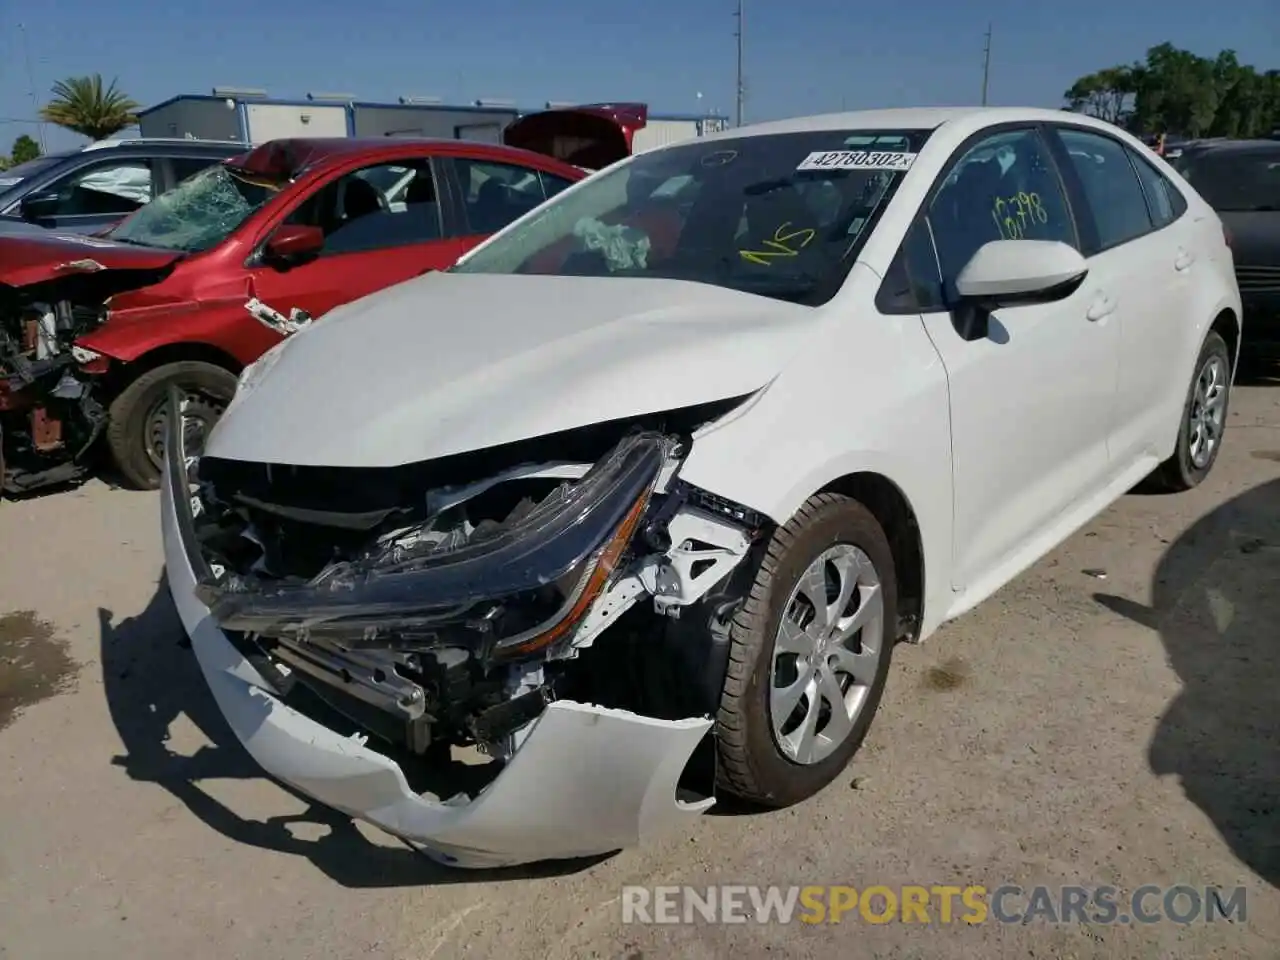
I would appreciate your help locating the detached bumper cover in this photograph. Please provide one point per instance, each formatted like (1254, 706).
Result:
(587, 780)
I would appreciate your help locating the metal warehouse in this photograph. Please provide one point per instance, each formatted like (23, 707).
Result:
(250, 116)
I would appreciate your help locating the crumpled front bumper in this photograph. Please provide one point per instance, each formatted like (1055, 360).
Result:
(587, 780)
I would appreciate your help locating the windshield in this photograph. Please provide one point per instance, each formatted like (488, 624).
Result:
(1238, 181)
(198, 213)
(16, 174)
(780, 215)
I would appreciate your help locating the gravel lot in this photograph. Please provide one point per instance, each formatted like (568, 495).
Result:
(1078, 728)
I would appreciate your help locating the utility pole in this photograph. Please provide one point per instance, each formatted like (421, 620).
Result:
(31, 86)
(986, 65)
(741, 87)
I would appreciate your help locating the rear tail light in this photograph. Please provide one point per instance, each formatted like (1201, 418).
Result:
(1226, 235)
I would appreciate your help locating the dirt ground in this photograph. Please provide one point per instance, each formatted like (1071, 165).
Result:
(1111, 717)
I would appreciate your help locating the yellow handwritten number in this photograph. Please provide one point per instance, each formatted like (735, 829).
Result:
(1037, 208)
(1012, 215)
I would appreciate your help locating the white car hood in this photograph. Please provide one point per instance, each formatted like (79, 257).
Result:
(449, 363)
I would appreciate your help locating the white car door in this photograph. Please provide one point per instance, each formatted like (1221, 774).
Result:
(1031, 400)
(1145, 256)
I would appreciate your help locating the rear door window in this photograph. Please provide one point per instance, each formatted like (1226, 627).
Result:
(1110, 185)
(183, 167)
(494, 194)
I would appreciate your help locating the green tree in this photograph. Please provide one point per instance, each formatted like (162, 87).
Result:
(83, 105)
(1106, 94)
(1177, 91)
(24, 149)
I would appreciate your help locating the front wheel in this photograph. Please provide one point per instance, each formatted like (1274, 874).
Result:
(1203, 421)
(138, 418)
(809, 654)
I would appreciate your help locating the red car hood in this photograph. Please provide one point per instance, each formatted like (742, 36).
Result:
(27, 259)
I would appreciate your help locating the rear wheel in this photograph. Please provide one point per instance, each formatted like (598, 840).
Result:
(1204, 420)
(138, 418)
(809, 655)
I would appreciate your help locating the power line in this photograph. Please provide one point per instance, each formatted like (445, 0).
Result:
(986, 65)
(31, 84)
(741, 87)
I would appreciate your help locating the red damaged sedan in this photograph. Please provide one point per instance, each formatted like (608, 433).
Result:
(201, 281)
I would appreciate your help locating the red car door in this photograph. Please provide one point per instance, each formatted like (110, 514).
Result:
(382, 224)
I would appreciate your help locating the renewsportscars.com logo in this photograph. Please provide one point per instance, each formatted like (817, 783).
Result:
(935, 904)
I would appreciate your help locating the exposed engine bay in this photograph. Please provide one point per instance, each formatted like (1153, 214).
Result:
(52, 408)
(448, 603)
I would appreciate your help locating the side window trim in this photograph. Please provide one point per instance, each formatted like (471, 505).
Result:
(890, 302)
(455, 219)
(1073, 200)
(1087, 237)
(1177, 203)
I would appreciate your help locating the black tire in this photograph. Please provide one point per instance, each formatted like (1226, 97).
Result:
(1179, 472)
(752, 765)
(131, 416)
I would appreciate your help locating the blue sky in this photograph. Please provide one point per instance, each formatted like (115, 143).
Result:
(806, 56)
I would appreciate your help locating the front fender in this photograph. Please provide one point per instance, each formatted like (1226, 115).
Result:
(810, 429)
(226, 325)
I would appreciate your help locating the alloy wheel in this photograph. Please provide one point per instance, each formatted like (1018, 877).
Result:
(826, 654)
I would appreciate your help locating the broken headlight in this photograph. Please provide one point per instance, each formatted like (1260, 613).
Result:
(512, 591)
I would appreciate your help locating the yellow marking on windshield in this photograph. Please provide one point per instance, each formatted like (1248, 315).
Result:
(781, 245)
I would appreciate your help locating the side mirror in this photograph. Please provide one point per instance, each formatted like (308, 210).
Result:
(294, 242)
(40, 205)
(1008, 273)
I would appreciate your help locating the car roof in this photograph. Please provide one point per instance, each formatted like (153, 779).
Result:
(161, 143)
(307, 153)
(161, 148)
(1217, 147)
(908, 118)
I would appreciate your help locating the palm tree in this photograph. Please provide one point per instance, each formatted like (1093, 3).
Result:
(81, 104)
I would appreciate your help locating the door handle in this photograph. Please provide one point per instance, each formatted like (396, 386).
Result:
(1184, 261)
(1102, 306)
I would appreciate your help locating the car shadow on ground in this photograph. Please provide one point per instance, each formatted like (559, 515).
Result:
(1216, 606)
(151, 679)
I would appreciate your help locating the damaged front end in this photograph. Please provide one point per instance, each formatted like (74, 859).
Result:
(51, 411)
(560, 604)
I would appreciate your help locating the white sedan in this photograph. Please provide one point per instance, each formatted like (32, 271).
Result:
(686, 450)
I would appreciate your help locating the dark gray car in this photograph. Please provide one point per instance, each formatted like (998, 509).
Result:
(1240, 179)
(88, 190)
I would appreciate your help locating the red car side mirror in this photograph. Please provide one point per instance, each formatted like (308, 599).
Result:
(294, 241)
